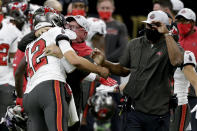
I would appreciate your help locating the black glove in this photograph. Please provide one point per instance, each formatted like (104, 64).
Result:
(173, 102)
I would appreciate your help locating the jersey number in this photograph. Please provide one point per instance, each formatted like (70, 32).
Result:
(37, 59)
(4, 54)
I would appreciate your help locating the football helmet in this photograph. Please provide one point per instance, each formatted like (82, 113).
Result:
(17, 10)
(46, 16)
(15, 119)
(102, 106)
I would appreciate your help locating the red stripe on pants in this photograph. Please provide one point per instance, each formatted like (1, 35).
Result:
(59, 105)
(182, 123)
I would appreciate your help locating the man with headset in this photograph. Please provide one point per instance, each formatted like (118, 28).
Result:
(151, 60)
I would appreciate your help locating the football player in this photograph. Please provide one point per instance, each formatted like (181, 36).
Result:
(9, 36)
(190, 73)
(181, 119)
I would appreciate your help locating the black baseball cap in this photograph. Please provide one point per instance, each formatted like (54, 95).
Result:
(84, 1)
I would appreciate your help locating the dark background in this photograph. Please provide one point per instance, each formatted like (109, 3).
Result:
(125, 9)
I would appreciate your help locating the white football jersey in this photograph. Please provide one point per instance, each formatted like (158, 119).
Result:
(9, 37)
(25, 29)
(41, 67)
(181, 85)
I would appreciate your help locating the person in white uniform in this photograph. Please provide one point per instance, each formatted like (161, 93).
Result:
(9, 35)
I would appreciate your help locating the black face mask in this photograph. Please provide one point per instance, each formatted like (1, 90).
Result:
(152, 35)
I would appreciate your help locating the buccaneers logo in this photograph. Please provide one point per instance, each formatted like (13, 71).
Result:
(183, 11)
(152, 16)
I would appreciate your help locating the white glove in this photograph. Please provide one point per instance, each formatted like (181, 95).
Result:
(194, 110)
(189, 58)
(103, 88)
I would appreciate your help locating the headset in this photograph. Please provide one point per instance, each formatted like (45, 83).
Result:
(102, 106)
(47, 15)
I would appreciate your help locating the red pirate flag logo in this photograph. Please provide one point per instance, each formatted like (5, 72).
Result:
(183, 11)
(78, 16)
(152, 16)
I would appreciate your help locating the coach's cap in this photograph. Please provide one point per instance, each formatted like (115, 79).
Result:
(96, 26)
(81, 20)
(177, 5)
(187, 14)
(157, 16)
(83, 1)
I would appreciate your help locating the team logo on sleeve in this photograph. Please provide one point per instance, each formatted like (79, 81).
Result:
(152, 16)
(183, 11)
(159, 53)
(190, 58)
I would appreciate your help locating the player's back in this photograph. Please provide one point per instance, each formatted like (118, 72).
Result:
(41, 67)
(9, 35)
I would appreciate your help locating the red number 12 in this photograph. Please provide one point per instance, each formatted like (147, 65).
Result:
(37, 60)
